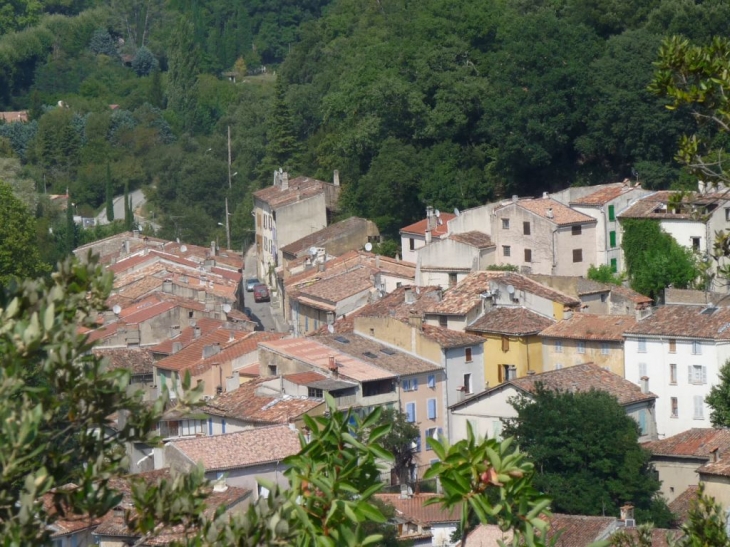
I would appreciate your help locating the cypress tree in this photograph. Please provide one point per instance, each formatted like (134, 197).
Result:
(157, 97)
(183, 73)
(109, 194)
(127, 207)
(282, 146)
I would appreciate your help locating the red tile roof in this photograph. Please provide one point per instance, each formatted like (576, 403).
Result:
(477, 239)
(603, 195)
(448, 338)
(545, 207)
(419, 228)
(187, 335)
(694, 443)
(681, 505)
(655, 206)
(658, 536)
(413, 509)
(138, 361)
(516, 321)
(586, 326)
(685, 322)
(300, 188)
(578, 530)
(243, 449)
(304, 378)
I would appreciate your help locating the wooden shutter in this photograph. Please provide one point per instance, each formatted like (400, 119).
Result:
(500, 373)
(505, 343)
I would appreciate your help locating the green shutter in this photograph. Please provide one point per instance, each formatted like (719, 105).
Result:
(611, 213)
(614, 265)
(612, 238)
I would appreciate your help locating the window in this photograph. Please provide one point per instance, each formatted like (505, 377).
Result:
(417, 442)
(673, 374)
(581, 346)
(727, 214)
(614, 265)
(558, 346)
(505, 343)
(505, 224)
(452, 279)
(695, 243)
(605, 349)
(611, 213)
(642, 345)
(577, 230)
(506, 250)
(273, 371)
(412, 244)
(410, 384)
(508, 372)
(433, 433)
(577, 255)
(528, 255)
(443, 321)
(467, 383)
(526, 228)
(612, 238)
(604, 297)
(675, 407)
(558, 366)
(223, 426)
(314, 393)
(697, 374)
(432, 409)
(432, 381)
(467, 355)
(497, 430)
(411, 412)
(696, 348)
(642, 421)
(190, 314)
(672, 345)
(699, 413)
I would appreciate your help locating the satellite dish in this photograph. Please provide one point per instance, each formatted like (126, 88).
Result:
(456, 211)
(510, 289)
(183, 248)
(368, 246)
(437, 213)
(313, 251)
(227, 308)
(177, 240)
(439, 221)
(116, 309)
(330, 329)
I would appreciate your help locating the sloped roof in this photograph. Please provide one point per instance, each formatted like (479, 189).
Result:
(187, 335)
(137, 360)
(603, 195)
(681, 505)
(578, 530)
(448, 338)
(300, 188)
(586, 326)
(562, 215)
(419, 228)
(507, 320)
(325, 235)
(242, 449)
(655, 206)
(412, 509)
(685, 322)
(694, 443)
(339, 287)
(474, 238)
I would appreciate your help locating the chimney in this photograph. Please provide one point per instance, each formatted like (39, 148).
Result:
(174, 331)
(284, 180)
(212, 248)
(332, 365)
(428, 235)
(416, 320)
(377, 261)
(126, 246)
(336, 178)
(549, 212)
(196, 332)
(405, 492)
(211, 350)
(167, 286)
(545, 195)
(231, 336)
(515, 198)
(321, 266)
(135, 234)
(409, 295)
(713, 454)
(645, 384)
(176, 346)
(567, 314)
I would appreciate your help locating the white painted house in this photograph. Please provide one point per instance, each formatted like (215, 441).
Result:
(678, 351)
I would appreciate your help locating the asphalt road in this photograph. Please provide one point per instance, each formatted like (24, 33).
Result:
(138, 200)
(261, 312)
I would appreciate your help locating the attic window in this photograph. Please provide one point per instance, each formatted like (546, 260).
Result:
(342, 340)
(370, 354)
(387, 351)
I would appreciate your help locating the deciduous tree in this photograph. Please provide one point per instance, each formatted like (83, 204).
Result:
(18, 248)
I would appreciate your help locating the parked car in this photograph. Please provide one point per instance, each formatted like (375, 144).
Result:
(261, 293)
(251, 283)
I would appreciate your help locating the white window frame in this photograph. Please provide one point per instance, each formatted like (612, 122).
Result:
(642, 345)
(605, 348)
(696, 347)
(558, 346)
(697, 375)
(580, 346)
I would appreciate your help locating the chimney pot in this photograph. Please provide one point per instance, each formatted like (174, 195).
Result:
(336, 178)
(549, 212)
(515, 198)
(545, 195)
(284, 180)
(645, 384)
(196, 332)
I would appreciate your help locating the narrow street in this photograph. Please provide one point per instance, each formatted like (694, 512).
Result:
(261, 312)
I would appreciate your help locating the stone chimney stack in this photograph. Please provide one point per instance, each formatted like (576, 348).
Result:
(211, 350)
(212, 248)
(336, 178)
(196, 332)
(284, 180)
(409, 295)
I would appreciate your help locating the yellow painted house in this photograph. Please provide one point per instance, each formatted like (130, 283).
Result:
(512, 347)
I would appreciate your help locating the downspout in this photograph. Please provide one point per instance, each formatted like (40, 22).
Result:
(555, 244)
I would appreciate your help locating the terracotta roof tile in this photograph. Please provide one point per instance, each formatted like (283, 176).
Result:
(696, 443)
(325, 235)
(419, 228)
(338, 287)
(138, 361)
(585, 326)
(187, 335)
(64, 522)
(300, 188)
(578, 530)
(375, 353)
(250, 371)
(242, 449)
(658, 536)
(681, 505)
(655, 206)
(516, 321)
(685, 322)
(244, 404)
(448, 338)
(413, 509)
(477, 239)
(304, 378)
(603, 195)
(561, 214)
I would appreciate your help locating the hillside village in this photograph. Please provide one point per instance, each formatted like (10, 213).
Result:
(444, 332)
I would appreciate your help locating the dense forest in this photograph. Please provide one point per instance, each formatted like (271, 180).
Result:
(444, 102)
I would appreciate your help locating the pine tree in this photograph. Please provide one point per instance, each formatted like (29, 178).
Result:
(36, 106)
(184, 62)
(282, 146)
(157, 96)
(128, 220)
(109, 194)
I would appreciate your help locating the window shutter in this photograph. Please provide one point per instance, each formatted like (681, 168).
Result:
(414, 384)
(439, 434)
(704, 374)
(611, 213)
(405, 385)
(432, 409)
(411, 412)
(500, 373)
(698, 406)
(689, 368)
(642, 421)
(642, 370)
(418, 443)
(612, 238)
(505, 343)
(431, 381)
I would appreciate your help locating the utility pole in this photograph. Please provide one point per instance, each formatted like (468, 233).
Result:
(229, 157)
(228, 227)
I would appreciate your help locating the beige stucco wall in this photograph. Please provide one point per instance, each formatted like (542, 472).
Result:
(485, 415)
(401, 335)
(525, 352)
(540, 240)
(614, 360)
(566, 242)
(718, 487)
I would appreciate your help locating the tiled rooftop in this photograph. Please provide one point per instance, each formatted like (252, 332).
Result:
(681, 505)
(138, 361)
(243, 449)
(187, 335)
(512, 321)
(300, 188)
(586, 326)
(413, 509)
(656, 206)
(658, 536)
(578, 530)
(244, 404)
(316, 354)
(686, 322)
(419, 228)
(696, 442)
(477, 239)
(606, 193)
(338, 287)
(370, 351)
(545, 207)
(323, 236)
(448, 338)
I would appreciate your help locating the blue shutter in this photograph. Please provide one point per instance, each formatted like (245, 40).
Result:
(210, 426)
(405, 385)
(432, 409)
(411, 412)
(432, 381)
(418, 443)
(223, 426)
(414, 383)
(642, 421)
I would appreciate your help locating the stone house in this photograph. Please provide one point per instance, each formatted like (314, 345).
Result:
(419, 234)
(422, 524)
(445, 262)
